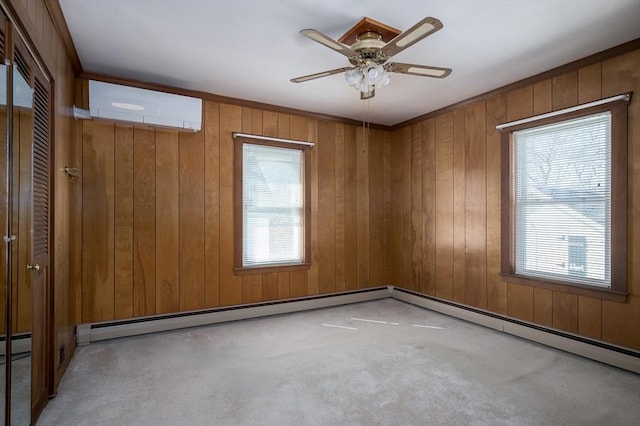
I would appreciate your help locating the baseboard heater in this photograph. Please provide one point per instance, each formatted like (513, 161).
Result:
(20, 343)
(92, 332)
(594, 349)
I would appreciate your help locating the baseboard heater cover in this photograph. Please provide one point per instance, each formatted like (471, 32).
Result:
(93, 332)
(593, 349)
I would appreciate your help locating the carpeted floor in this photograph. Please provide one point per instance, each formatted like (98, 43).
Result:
(375, 363)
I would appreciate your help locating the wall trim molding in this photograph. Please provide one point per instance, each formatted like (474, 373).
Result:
(621, 49)
(597, 350)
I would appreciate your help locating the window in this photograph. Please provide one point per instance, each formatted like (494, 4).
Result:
(564, 194)
(272, 204)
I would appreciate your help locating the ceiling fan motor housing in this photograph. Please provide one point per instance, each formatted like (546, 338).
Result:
(368, 47)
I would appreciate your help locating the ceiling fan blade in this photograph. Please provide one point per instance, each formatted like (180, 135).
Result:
(320, 74)
(329, 42)
(421, 70)
(411, 36)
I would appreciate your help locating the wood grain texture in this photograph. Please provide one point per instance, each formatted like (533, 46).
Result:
(565, 90)
(98, 221)
(123, 217)
(230, 284)
(395, 245)
(542, 306)
(376, 208)
(428, 214)
(565, 311)
(590, 317)
(167, 222)
(475, 201)
(144, 222)
(407, 220)
(542, 97)
(520, 302)
(211, 128)
(416, 207)
(299, 129)
(326, 204)
(444, 207)
(459, 207)
(284, 132)
(590, 83)
(496, 112)
(340, 202)
(362, 208)
(391, 190)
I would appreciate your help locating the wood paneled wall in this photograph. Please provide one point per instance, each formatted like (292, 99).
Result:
(445, 206)
(157, 216)
(38, 25)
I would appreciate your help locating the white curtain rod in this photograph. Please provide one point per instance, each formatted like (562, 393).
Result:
(624, 97)
(269, 138)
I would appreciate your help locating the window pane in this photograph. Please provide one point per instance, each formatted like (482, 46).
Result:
(272, 205)
(563, 200)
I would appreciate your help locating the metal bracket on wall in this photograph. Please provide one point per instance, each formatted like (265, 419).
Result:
(72, 173)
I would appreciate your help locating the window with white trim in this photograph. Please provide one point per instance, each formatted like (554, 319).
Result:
(564, 198)
(271, 205)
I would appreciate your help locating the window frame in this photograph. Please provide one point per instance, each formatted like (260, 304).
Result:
(239, 268)
(618, 245)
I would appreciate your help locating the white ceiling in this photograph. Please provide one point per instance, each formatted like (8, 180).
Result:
(249, 49)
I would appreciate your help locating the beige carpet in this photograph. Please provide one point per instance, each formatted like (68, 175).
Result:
(375, 363)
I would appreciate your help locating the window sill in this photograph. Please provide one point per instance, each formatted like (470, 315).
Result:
(271, 269)
(581, 290)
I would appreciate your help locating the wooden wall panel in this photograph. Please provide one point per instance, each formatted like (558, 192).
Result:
(459, 207)
(362, 207)
(407, 220)
(123, 218)
(339, 188)
(565, 311)
(590, 317)
(444, 206)
(428, 213)
(376, 208)
(542, 98)
(543, 306)
(467, 202)
(144, 222)
(416, 207)
(590, 83)
(476, 205)
(211, 126)
(176, 213)
(395, 243)
(565, 90)
(98, 221)
(167, 222)
(326, 204)
(496, 287)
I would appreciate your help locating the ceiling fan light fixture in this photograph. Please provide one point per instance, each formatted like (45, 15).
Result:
(354, 77)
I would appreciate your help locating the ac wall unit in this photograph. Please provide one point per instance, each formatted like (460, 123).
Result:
(125, 103)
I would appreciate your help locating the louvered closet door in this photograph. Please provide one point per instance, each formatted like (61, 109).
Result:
(41, 243)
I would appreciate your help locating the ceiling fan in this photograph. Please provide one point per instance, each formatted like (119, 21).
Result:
(368, 46)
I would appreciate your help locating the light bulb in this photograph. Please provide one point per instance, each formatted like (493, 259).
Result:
(373, 72)
(353, 77)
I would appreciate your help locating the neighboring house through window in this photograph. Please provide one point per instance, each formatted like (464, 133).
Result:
(564, 198)
(272, 204)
